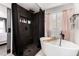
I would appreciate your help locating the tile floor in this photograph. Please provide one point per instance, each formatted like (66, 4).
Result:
(31, 50)
(40, 53)
(10, 54)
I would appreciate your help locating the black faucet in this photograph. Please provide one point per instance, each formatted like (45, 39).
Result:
(62, 37)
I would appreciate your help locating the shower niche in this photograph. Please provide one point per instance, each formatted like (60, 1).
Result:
(24, 20)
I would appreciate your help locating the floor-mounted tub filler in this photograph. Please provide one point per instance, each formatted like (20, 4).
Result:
(52, 47)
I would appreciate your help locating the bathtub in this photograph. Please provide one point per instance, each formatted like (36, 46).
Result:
(52, 48)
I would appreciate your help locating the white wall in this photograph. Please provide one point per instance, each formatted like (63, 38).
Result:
(76, 5)
(3, 11)
(76, 30)
(8, 26)
(8, 5)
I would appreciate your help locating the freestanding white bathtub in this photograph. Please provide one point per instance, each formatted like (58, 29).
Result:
(52, 48)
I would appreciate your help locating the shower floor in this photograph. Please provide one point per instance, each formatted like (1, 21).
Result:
(31, 50)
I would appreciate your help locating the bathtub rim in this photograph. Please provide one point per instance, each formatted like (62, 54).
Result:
(47, 43)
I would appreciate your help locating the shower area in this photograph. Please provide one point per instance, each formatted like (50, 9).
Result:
(28, 27)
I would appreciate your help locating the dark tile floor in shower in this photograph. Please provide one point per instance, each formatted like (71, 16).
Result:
(31, 50)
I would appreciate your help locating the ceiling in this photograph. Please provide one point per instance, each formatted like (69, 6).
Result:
(36, 6)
